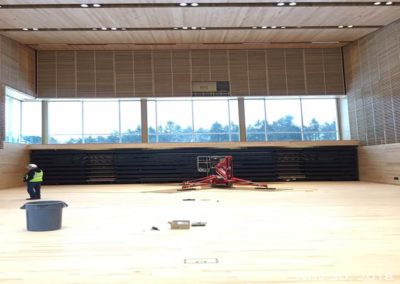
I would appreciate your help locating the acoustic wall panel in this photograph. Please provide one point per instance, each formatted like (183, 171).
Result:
(85, 74)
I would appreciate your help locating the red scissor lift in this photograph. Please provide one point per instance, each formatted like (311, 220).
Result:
(219, 171)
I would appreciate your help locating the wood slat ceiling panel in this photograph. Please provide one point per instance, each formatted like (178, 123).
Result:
(124, 86)
(210, 16)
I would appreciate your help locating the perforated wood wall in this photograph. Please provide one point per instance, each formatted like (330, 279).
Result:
(166, 73)
(372, 68)
(17, 70)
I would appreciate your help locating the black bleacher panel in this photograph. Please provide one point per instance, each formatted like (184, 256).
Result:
(179, 164)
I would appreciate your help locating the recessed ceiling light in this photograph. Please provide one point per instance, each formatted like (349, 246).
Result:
(350, 26)
(123, 29)
(340, 27)
(185, 28)
(254, 27)
(203, 28)
(389, 3)
(377, 3)
(35, 29)
(97, 5)
(283, 27)
(176, 28)
(194, 28)
(281, 4)
(273, 27)
(84, 5)
(194, 4)
(25, 29)
(292, 4)
(114, 29)
(183, 4)
(264, 27)
(103, 29)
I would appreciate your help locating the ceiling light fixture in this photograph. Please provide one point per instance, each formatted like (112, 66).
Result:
(273, 27)
(185, 28)
(377, 3)
(103, 29)
(283, 27)
(94, 29)
(194, 28)
(264, 27)
(84, 5)
(194, 4)
(123, 29)
(176, 28)
(35, 29)
(25, 29)
(114, 29)
(350, 26)
(183, 4)
(389, 3)
(97, 5)
(292, 4)
(340, 27)
(281, 4)
(254, 27)
(203, 28)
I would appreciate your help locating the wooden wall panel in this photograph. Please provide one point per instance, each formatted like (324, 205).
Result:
(47, 74)
(277, 80)
(219, 70)
(258, 79)
(143, 73)
(162, 64)
(294, 61)
(105, 74)
(314, 65)
(13, 160)
(171, 72)
(66, 76)
(372, 70)
(124, 83)
(200, 65)
(85, 72)
(2, 115)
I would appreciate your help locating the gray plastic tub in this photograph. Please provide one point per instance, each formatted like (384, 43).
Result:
(44, 215)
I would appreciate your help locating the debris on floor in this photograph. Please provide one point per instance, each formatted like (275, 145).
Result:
(180, 224)
(155, 228)
(188, 199)
(199, 224)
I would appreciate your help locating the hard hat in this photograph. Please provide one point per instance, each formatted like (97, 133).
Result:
(32, 166)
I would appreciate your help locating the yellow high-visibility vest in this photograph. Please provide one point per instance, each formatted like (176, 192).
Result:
(38, 177)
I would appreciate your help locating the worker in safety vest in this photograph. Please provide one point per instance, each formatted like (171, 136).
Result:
(33, 179)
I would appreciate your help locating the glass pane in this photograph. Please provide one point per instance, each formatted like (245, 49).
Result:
(234, 115)
(112, 138)
(283, 116)
(65, 139)
(255, 120)
(130, 122)
(65, 118)
(177, 137)
(174, 116)
(319, 115)
(211, 116)
(213, 137)
(31, 132)
(13, 120)
(101, 118)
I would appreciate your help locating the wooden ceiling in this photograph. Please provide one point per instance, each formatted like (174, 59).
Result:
(229, 24)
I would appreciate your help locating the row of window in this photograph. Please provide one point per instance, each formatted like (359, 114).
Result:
(172, 120)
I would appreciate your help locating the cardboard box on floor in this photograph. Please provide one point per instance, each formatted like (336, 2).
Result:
(180, 224)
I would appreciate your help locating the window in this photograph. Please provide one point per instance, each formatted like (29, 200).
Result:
(319, 119)
(193, 120)
(94, 121)
(23, 118)
(65, 122)
(273, 119)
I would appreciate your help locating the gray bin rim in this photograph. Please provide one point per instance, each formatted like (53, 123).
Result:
(44, 204)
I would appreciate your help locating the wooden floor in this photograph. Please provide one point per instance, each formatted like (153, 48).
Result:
(332, 232)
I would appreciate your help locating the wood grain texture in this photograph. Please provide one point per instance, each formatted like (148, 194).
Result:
(342, 232)
(168, 73)
(13, 160)
(372, 70)
(380, 163)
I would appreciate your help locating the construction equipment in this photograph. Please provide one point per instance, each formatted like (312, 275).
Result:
(219, 170)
